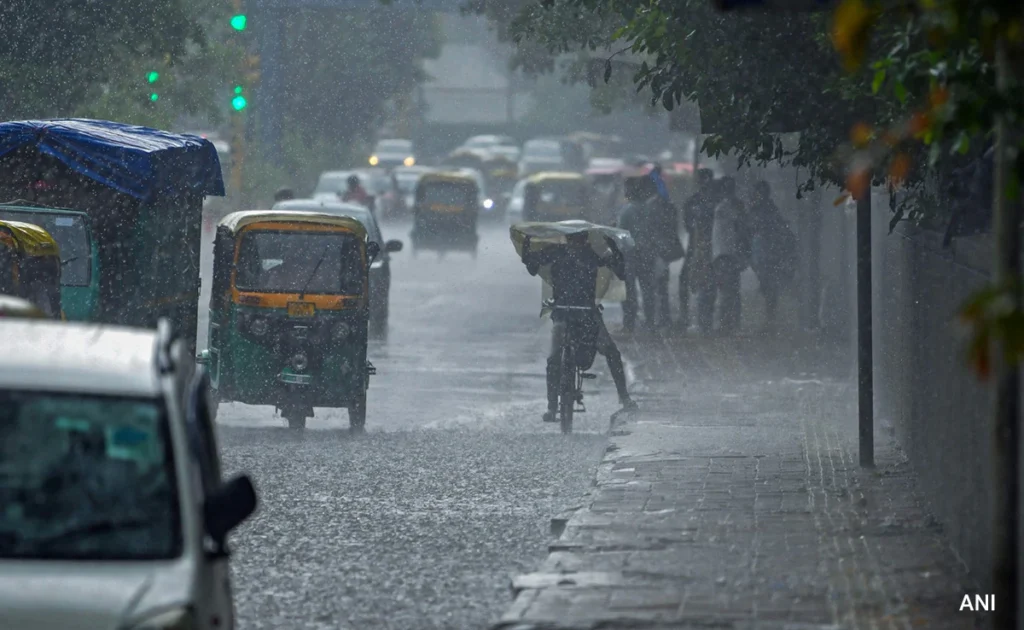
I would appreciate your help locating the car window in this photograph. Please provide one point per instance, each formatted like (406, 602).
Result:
(86, 477)
(297, 262)
(332, 182)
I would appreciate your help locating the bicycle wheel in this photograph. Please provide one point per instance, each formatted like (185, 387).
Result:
(567, 388)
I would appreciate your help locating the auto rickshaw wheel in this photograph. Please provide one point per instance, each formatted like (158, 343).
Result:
(357, 414)
(296, 422)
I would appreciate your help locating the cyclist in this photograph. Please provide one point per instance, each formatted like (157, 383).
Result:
(574, 283)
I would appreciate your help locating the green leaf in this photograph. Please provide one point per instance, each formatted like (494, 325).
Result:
(876, 83)
(901, 92)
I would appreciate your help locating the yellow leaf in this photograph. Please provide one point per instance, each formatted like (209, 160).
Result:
(858, 182)
(899, 168)
(850, 25)
(860, 134)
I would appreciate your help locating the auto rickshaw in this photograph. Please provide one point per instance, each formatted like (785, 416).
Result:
(557, 196)
(30, 266)
(446, 212)
(289, 311)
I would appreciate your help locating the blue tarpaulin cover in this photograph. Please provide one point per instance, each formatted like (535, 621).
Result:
(138, 161)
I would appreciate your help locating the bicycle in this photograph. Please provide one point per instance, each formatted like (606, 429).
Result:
(576, 355)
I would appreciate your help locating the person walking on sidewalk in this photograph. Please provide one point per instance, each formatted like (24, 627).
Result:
(728, 253)
(773, 250)
(698, 219)
(665, 217)
(631, 305)
(574, 269)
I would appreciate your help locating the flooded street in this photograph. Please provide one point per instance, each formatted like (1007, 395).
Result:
(421, 522)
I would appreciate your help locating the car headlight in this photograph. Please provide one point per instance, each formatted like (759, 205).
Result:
(409, 161)
(373, 160)
(488, 203)
(342, 330)
(258, 326)
(176, 619)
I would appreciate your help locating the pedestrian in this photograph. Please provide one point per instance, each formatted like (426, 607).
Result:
(642, 219)
(773, 250)
(665, 217)
(626, 216)
(698, 218)
(727, 262)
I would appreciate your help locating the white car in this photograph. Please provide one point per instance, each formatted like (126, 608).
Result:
(515, 203)
(115, 516)
(491, 145)
(541, 155)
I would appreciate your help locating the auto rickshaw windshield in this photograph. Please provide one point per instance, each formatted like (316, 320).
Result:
(444, 193)
(326, 263)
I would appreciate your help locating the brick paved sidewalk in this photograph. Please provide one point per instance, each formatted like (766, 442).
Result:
(734, 500)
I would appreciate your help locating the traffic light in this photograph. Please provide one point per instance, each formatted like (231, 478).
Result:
(238, 22)
(152, 77)
(238, 103)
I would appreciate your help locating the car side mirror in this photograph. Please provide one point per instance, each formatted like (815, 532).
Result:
(372, 250)
(393, 246)
(228, 507)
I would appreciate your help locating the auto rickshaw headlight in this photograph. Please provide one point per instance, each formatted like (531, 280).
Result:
(300, 362)
(342, 330)
(409, 161)
(373, 160)
(258, 326)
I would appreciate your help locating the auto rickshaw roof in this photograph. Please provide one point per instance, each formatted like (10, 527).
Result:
(547, 176)
(33, 240)
(11, 306)
(138, 161)
(238, 221)
(451, 177)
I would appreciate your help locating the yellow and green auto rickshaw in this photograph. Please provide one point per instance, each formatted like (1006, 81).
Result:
(30, 266)
(446, 213)
(557, 196)
(289, 311)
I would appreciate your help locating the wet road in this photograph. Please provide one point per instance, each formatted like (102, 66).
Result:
(421, 522)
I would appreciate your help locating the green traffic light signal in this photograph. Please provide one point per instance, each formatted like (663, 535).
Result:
(238, 22)
(154, 97)
(239, 103)
(153, 76)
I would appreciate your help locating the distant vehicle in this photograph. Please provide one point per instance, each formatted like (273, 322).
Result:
(487, 205)
(606, 164)
(132, 529)
(515, 203)
(406, 178)
(490, 145)
(392, 153)
(380, 269)
(541, 155)
(332, 184)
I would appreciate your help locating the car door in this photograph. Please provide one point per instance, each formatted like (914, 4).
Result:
(216, 606)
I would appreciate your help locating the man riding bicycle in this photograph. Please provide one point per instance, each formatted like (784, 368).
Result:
(574, 270)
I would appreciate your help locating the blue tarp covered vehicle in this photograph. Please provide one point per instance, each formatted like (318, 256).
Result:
(142, 190)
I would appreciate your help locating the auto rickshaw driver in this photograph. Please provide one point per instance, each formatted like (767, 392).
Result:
(573, 282)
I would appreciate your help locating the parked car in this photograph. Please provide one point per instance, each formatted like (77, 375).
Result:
(380, 269)
(131, 529)
(393, 152)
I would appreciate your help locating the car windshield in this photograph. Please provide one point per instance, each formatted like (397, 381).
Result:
(88, 478)
(72, 237)
(297, 262)
(394, 146)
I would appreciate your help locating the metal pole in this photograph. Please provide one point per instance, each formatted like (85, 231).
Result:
(1006, 424)
(865, 366)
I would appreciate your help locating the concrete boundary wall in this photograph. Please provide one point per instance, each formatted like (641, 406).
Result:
(937, 408)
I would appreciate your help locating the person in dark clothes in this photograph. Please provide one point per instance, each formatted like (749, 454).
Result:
(643, 219)
(728, 256)
(773, 248)
(698, 219)
(574, 269)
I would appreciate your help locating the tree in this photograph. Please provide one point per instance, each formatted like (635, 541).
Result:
(58, 55)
